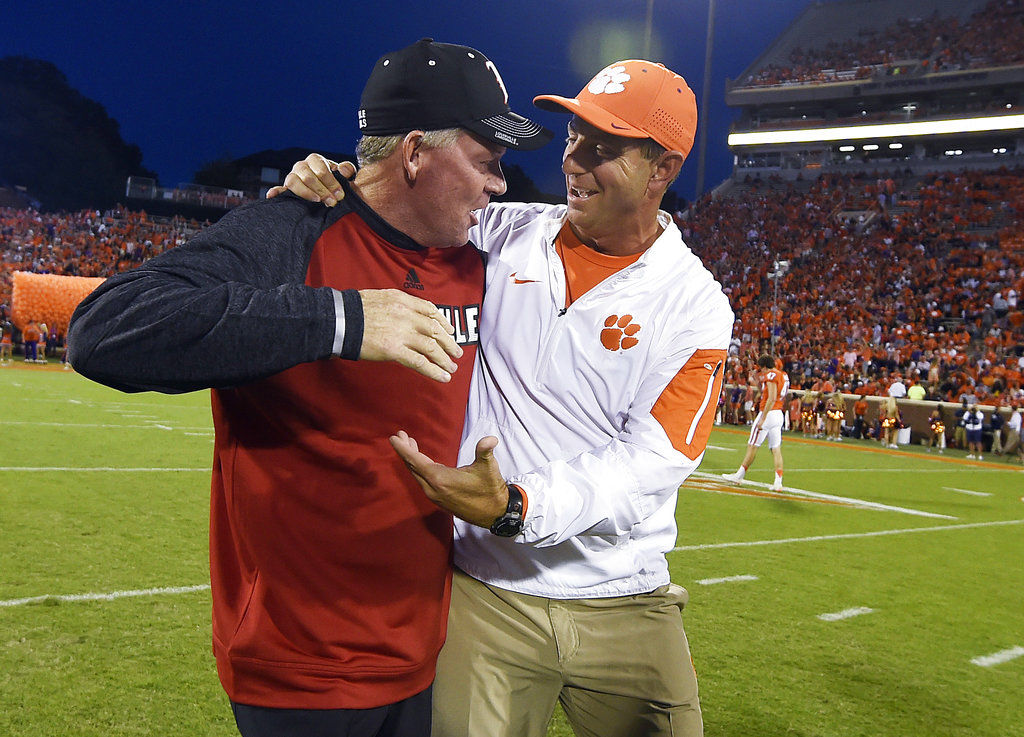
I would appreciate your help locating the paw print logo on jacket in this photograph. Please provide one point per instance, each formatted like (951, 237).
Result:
(609, 81)
(618, 333)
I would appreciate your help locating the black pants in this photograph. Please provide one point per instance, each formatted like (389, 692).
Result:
(407, 718)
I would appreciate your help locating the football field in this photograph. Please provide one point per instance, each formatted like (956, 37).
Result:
(881, 593)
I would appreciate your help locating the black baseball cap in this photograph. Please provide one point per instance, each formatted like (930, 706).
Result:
(431, 86)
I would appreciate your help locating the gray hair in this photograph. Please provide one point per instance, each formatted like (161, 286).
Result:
(372, 149)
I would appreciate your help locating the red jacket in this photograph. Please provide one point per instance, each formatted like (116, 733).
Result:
(330, 567)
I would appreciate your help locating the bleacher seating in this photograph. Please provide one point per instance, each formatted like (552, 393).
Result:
(911, 284)
(830, 50)
(84, 243)
(901, 272)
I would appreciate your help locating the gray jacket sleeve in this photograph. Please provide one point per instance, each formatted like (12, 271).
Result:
(228, 307)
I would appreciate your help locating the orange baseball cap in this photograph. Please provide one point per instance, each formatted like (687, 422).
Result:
(634, 99)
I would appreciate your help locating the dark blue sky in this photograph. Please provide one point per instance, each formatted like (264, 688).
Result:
(191, 81)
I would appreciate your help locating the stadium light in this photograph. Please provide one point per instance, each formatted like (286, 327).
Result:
(846, 149)
(896, 146)
(881, 130)
(779, 270)
(870, 146)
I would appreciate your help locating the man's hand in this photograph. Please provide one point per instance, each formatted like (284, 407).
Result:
(475, 493)
(311, 179)
(408, 330)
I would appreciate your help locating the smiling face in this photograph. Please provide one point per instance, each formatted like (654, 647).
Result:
(608, 186)
(451, 183)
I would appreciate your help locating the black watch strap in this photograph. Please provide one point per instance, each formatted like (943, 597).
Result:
(510, 524)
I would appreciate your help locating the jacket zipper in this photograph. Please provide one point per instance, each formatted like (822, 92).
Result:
(556, 273)
(703, 405)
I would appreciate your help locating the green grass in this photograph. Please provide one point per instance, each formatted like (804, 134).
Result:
(768, 665)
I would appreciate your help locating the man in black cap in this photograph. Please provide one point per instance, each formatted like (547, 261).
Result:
(330, 570)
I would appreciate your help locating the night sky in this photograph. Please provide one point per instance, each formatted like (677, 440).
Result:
(192, 81)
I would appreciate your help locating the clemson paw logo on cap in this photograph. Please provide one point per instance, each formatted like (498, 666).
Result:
(610, 81)
(618, 333)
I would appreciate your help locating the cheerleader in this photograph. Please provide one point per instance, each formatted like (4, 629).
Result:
(834, 414)
(891, 423)
(808, 421)
(819, 415)
(937, 430)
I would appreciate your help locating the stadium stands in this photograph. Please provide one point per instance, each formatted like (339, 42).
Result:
(905, 273)
(941, 41)
(888, 276)
(862, 85)
(84, 243)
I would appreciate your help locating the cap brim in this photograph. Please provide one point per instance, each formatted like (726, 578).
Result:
(511, 130)
(591, 113)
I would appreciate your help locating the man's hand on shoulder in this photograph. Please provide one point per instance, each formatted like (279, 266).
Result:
(313, 179)
(408, 330)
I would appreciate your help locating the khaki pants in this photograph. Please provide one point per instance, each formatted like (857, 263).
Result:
(1012, 444)
(619, 666)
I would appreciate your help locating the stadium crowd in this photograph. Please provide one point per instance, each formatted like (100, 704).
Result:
(84, 243)
(993, 36)
(887, 278)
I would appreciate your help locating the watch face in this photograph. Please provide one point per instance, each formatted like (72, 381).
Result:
(510, 523)
(507, 527)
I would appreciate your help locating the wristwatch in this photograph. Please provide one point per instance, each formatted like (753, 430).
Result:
(510, 524)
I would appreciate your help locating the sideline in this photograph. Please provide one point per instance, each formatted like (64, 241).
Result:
(844, 536)
(789, 437)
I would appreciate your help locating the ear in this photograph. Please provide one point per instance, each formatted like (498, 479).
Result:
(412, 154)
(665, 170)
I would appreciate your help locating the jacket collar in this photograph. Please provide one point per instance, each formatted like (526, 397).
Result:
(669, 248)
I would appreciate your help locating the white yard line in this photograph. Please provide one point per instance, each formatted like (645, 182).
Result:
(106, 597)
(156, 404)
(103, 469)
(719, 447)
(150, 426)
(972, 469)
(966, 491)
(847, 536)
(723, 486)
(1003, 656)
(726, 579)
(845, 614)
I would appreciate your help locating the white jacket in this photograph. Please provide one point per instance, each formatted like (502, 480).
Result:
(570, 397)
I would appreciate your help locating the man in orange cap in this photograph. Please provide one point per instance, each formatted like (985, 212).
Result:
(602, 348)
